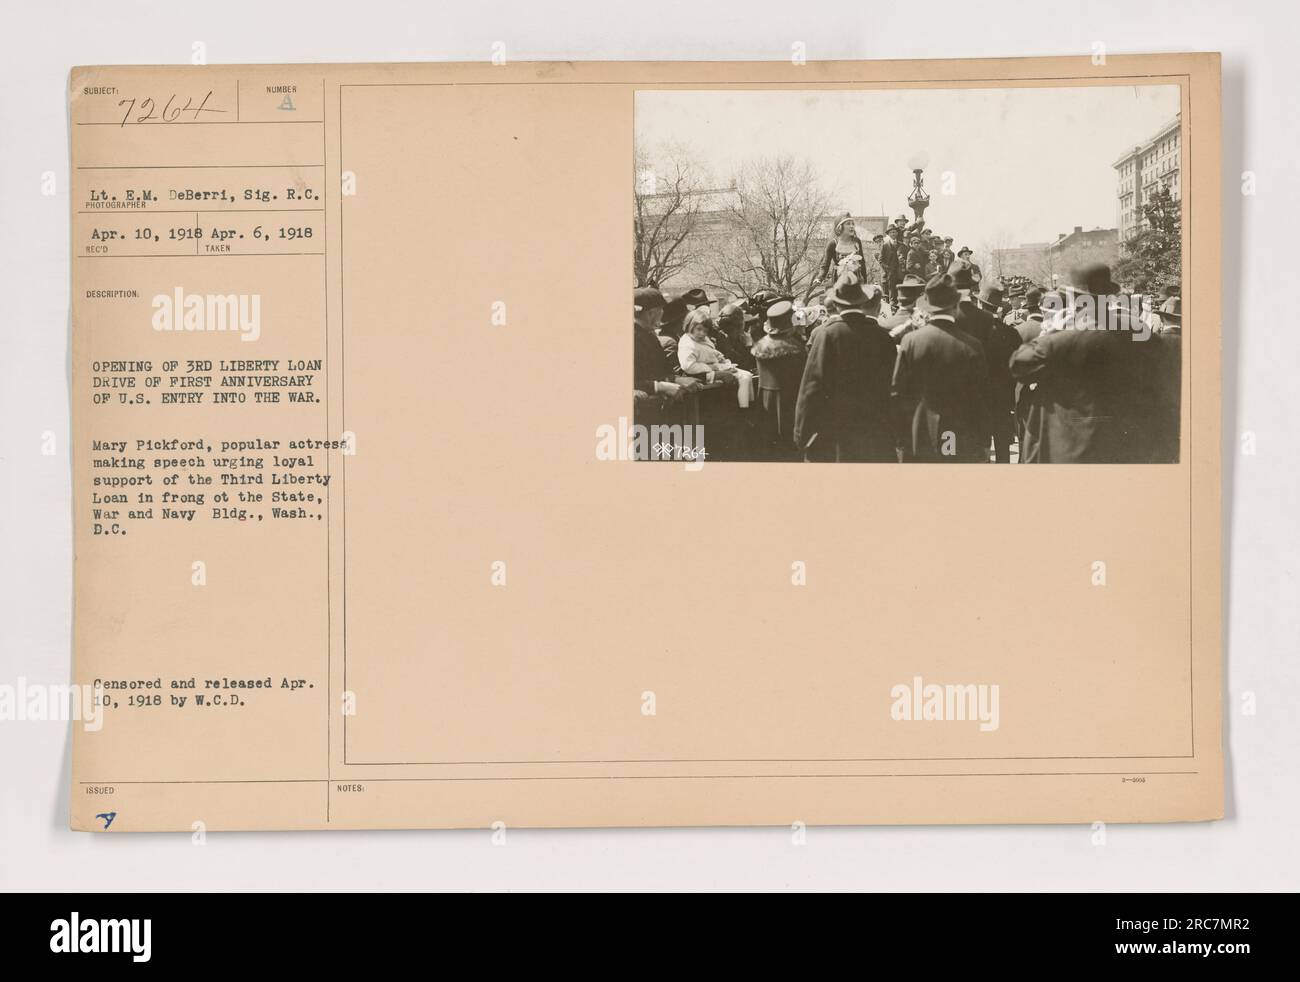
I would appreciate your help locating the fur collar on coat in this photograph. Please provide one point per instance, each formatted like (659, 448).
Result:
(770, 347)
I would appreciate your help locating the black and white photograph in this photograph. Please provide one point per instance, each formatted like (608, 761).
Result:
(930, 275)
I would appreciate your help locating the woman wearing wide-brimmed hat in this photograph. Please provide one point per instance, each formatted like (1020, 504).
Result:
(839, 251)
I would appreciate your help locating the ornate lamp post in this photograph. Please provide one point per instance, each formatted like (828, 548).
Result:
(918, 200)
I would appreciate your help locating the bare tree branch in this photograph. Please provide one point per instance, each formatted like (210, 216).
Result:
(778, 215)
(666, 216)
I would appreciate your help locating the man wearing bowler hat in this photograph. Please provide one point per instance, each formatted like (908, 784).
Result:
(654, 376)
(658, 395)
(843, 410)
(941, 383)
(901, 321)
(1095, 378)
(964, 256)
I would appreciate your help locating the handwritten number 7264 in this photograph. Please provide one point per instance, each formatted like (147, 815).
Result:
(148, 111)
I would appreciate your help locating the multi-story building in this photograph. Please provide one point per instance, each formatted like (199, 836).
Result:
(1080, 248)
(1046, 262)
(1143, 169)
(1027, 259)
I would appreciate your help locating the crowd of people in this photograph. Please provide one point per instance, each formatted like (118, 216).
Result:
(932, 363)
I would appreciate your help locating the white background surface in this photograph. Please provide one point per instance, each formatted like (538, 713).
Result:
(1253, 848)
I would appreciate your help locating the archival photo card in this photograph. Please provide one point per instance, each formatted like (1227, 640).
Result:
(365, 530)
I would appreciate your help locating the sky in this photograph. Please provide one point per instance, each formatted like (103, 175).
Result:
(1027, 164)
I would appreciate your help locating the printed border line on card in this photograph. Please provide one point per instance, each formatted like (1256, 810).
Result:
(1184, 81)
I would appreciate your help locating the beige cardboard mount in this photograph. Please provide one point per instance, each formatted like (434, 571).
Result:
(474, 619)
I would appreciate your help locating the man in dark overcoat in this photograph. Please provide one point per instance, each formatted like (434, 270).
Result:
(941, 382)
(1000, 343)
(891, 262)
(843, 411)
(1095, 378)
